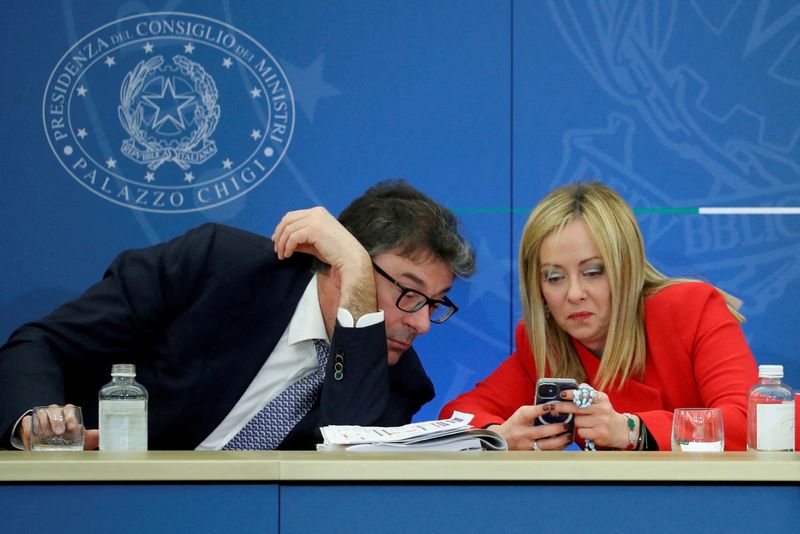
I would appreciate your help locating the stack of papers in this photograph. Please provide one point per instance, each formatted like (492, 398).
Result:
(454, 434)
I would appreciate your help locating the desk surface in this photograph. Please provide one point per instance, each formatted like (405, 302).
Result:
(518, 467)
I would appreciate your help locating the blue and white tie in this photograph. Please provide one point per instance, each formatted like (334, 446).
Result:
(268, 428)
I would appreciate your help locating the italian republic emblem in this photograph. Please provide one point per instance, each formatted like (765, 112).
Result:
(169, 112)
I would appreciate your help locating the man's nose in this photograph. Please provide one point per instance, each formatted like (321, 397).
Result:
(420, 320)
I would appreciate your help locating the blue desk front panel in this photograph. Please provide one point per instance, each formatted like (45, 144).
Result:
(139, 508)
(544, 509)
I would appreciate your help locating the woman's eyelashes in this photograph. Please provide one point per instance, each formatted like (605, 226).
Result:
(594, 270)
(553, 277)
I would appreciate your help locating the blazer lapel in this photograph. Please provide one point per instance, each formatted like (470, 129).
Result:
(636, 395)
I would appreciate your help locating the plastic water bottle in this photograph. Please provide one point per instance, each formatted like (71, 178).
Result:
(770, 412)
(123, 411)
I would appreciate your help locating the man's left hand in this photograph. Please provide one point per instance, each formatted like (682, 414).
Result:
(315, 231)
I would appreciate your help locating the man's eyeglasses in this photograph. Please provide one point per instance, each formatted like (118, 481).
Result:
(411, 300)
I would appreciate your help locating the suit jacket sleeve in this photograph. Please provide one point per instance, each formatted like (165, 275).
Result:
(369, 391)
(159, 308)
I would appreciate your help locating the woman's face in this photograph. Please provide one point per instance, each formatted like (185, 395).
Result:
(575, 285)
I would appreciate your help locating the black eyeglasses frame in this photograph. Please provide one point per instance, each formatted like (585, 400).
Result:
(446, 302)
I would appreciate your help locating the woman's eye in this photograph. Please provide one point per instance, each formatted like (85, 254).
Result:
(552, 277)
(593, 271)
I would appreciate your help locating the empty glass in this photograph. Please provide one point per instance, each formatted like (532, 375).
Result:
(698, 430)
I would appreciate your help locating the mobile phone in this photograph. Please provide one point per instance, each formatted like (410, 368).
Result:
(549, 390)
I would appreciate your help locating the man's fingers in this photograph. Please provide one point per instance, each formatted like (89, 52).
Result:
(294, 237)
(91, 440)
(292, 233)
(26, 431)
(71, 420)
(56, 415)
(40, 422)
(278, 235)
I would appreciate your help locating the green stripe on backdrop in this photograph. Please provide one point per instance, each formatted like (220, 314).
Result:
(717, 210)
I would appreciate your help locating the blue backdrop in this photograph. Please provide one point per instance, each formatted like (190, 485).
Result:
(254, 108)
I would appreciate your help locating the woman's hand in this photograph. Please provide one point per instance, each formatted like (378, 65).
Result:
(521, 435)
(599, 421)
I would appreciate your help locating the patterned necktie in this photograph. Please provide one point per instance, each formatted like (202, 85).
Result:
(268, 428)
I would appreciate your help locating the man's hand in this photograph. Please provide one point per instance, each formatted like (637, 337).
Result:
(57, 420)
(315, 231)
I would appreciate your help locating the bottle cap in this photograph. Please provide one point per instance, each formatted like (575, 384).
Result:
(770, 371)
(129, 369)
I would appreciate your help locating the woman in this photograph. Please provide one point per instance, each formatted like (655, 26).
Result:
(597, 311)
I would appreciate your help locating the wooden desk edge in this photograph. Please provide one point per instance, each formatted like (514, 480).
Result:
(522, 467)
(307, 466)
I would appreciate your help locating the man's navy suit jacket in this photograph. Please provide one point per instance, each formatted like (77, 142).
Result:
(198, 315)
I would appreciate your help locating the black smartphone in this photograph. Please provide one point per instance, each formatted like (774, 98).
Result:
(549, 390)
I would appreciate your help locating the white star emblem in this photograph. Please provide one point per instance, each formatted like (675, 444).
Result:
(256, 92)
(148, 48)
(188, 48)
(82, 133)
(82, 90)
(188, 177)
(227, 163)
(227, 63)
(150, 177)
(110, 61)
(169, 106)
(256, 135)
(111, 163)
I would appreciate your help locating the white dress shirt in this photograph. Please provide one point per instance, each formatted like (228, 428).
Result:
(293, 357)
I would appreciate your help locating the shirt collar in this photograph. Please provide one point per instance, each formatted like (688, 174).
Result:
(307, 322)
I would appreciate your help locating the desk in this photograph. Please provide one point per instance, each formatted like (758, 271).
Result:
(231, 491)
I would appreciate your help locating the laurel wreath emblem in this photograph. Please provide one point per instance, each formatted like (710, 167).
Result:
(146, 149)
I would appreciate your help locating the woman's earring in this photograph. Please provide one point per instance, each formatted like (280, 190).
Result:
(546, 311)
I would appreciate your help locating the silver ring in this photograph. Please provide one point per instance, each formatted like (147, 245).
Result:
(584, 396)
(536, 446)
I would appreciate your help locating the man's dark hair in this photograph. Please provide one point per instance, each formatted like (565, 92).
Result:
(393, 216)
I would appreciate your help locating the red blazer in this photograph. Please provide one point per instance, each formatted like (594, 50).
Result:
(697, 356)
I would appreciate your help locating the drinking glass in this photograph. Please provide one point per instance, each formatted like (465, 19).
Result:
(57, 428)
(698, 430)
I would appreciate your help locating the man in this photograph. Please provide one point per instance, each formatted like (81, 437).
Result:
(220, 322)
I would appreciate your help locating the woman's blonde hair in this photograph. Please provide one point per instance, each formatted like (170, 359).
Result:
(613, 227)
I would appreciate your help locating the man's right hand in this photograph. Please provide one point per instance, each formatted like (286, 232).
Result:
(56, 420)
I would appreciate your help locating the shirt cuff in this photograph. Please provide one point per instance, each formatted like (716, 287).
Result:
(15, 441)
(345, 318)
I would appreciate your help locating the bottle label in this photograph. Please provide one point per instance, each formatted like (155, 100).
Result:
(775, 427)
(123, 425)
